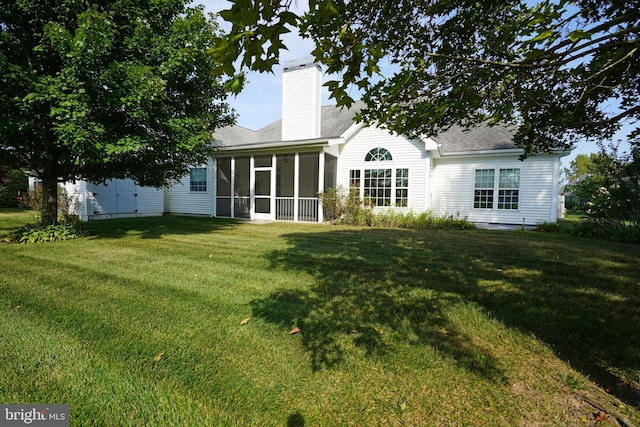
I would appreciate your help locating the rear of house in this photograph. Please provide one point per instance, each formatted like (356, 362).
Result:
(277, 172)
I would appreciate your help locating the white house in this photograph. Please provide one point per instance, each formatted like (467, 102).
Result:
(276, 173)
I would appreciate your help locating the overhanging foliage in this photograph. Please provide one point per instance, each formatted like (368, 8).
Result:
(561, 70)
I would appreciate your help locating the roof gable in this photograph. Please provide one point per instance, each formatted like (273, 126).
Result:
(336, 121)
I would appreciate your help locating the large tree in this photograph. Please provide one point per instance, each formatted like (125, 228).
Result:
(107, 89)
(581, 165)
(562, 70)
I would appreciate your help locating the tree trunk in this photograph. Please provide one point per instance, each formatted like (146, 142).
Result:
(49, 212)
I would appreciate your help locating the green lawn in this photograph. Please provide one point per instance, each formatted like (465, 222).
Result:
(145, 323)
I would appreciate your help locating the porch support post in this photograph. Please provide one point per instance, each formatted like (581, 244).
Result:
(320, 183)
(272, 199)
(252, 188)
(233, 176)
(296, 184)
(214, 187)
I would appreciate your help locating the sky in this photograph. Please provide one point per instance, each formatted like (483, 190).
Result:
(260, 103)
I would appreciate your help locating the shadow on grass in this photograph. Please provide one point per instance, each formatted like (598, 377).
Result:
(156, 227)
(376, 287)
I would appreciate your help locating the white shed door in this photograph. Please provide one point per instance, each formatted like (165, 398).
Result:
(105, 197)
(115, 196)
(125, 196)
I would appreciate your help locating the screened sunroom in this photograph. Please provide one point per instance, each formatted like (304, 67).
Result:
(274, 186)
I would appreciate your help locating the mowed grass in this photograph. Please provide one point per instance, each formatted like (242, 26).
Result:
(179, 321)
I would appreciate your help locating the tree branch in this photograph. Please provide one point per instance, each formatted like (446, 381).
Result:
(600, 28)
(613, 64)
(516, 64)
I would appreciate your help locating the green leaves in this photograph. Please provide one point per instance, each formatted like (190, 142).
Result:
(553, 68)
(577, 35)
(94, 90)
(543, 36)
(255, 38)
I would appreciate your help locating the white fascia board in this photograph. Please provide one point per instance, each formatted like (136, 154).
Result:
(503, 152)
(430, 145)
(335, 141)
(351, 131)
(280, 147)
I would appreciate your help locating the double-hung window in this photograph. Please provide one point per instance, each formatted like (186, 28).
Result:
(377, 186)
(509, 188)
(483, 192)
(402, 187)
(505, 184)
(198, 179)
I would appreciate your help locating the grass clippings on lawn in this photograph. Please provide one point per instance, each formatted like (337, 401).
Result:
(187, 321)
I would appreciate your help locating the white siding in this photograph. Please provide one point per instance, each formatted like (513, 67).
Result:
(301, 102)
(77, 194)
(452, 189)
(150, 201)
(178, 199)
(405, 154)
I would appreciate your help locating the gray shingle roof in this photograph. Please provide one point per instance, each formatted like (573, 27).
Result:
(478, 138)
(335, 121)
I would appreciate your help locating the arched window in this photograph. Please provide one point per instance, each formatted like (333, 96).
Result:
(381, 184)
(377, 155)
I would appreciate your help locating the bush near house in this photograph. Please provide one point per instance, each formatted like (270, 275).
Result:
(342, 206)
(612, 194)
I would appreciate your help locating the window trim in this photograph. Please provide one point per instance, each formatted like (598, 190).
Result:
(199, 186)
(401, 191)
(378, 154)
(498, 193)
(358, 178)
(506, 192)
(378, 166)
(484, 195)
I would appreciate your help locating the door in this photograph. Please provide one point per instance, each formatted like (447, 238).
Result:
(125, 196)
(115, 196)
(264, 187)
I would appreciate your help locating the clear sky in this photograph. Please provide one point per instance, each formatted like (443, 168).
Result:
(260, 103)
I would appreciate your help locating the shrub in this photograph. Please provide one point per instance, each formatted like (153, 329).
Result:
(421, 221)
(607, 230)
(548, 227)
(612, 189)
(38, 233)
(12, 188)
(66, 204)
(332, 206)
(345, 207)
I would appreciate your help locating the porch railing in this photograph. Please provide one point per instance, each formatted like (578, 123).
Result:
(241, 206)
(307, 209)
